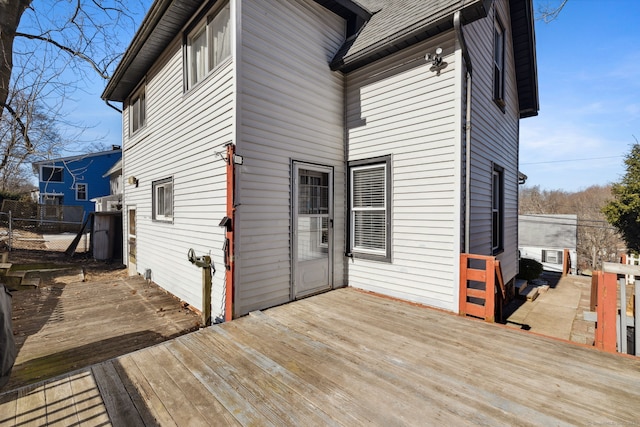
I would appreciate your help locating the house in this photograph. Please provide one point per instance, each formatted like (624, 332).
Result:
(75, 181)
(306, 145)
(112, 201)
(546, 238)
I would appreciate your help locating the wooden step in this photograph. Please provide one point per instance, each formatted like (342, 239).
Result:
(530, 292)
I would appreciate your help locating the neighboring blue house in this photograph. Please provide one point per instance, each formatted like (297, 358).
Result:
(74, 181)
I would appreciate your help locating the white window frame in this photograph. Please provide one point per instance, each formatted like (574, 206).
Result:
(138, 111)
(498, 63)
(497, 210)
(86, 191)
(382, 253)
(203, 58)
(551, 256)
(54, 168)
(166, 186)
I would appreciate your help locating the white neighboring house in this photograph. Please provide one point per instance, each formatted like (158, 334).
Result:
(339, 143)
(112, 202)
(545, 238)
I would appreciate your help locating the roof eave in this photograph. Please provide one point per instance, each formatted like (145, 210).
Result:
(405, 38)
(524, 42)
(162, 23)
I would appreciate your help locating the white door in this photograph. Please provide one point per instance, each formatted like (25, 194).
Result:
(312, 229)
(132, 246)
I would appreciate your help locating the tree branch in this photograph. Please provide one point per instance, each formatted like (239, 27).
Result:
(23, 128)
(101, 73)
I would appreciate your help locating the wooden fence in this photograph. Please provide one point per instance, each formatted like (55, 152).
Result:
(479, 275)
(615, 308)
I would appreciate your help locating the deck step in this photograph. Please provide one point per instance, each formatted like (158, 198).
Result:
(5, 265)
(31, 281)
(530, 292)
(520, 285)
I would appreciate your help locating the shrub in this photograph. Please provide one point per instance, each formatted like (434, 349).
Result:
(530, 269)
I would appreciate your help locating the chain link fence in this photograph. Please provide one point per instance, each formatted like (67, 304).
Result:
(27, 225)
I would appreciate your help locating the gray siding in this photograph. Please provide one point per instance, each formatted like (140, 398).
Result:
(399, 107)
(180, 140)
(291, 109)
(494, 140)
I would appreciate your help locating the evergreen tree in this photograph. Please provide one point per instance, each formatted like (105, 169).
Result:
(623, 212)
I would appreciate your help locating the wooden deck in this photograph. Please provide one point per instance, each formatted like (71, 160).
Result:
(66, 324)
(343, 358)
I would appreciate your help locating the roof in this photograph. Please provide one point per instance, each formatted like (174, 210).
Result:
(375, 29)
(548, 231)
(162, 23)
(117, 167)
(396, 24)
(74, 158)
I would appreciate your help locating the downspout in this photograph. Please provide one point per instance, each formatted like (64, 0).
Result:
(457, 25)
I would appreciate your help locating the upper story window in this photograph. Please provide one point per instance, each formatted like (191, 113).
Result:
(51, 174)
(498, 63)
(208, 45)
(81, 191)
(138, 110)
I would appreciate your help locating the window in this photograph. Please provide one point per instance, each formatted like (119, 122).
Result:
(498, 64)
(137, 112)
(163, 200)
(370, 208)
(51, 174)
(497, 206)
(208, 45)
(552, 257)
(81, 191)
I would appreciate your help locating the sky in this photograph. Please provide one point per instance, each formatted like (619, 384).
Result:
(589, 89)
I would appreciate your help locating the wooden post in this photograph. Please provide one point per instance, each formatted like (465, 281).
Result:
(490, 291)
(462, 298)
(206, 291)
(229, 273)
(607, 311)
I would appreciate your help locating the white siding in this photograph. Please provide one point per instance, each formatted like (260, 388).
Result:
(494, 139)
(180, 140)
(399, 107)
(291, 109)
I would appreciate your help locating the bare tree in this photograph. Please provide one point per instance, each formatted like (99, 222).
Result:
(47, 139)
(548, 13)
(598, 241)
(48, 47)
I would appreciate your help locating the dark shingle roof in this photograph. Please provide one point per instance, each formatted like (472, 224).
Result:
(396, 24)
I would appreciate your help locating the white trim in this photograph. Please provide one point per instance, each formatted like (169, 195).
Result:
(86, 191)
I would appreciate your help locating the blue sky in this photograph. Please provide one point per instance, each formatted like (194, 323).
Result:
(589, 84)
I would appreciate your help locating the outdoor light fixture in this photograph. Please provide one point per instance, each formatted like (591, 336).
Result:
(132, 180)
(436, 60)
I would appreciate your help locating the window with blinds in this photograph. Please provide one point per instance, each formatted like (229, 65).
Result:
(370, 209)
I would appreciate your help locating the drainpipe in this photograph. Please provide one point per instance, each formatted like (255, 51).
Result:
(457, 25)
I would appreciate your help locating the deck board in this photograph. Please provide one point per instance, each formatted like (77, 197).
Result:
(60, 327)
(345, 358)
